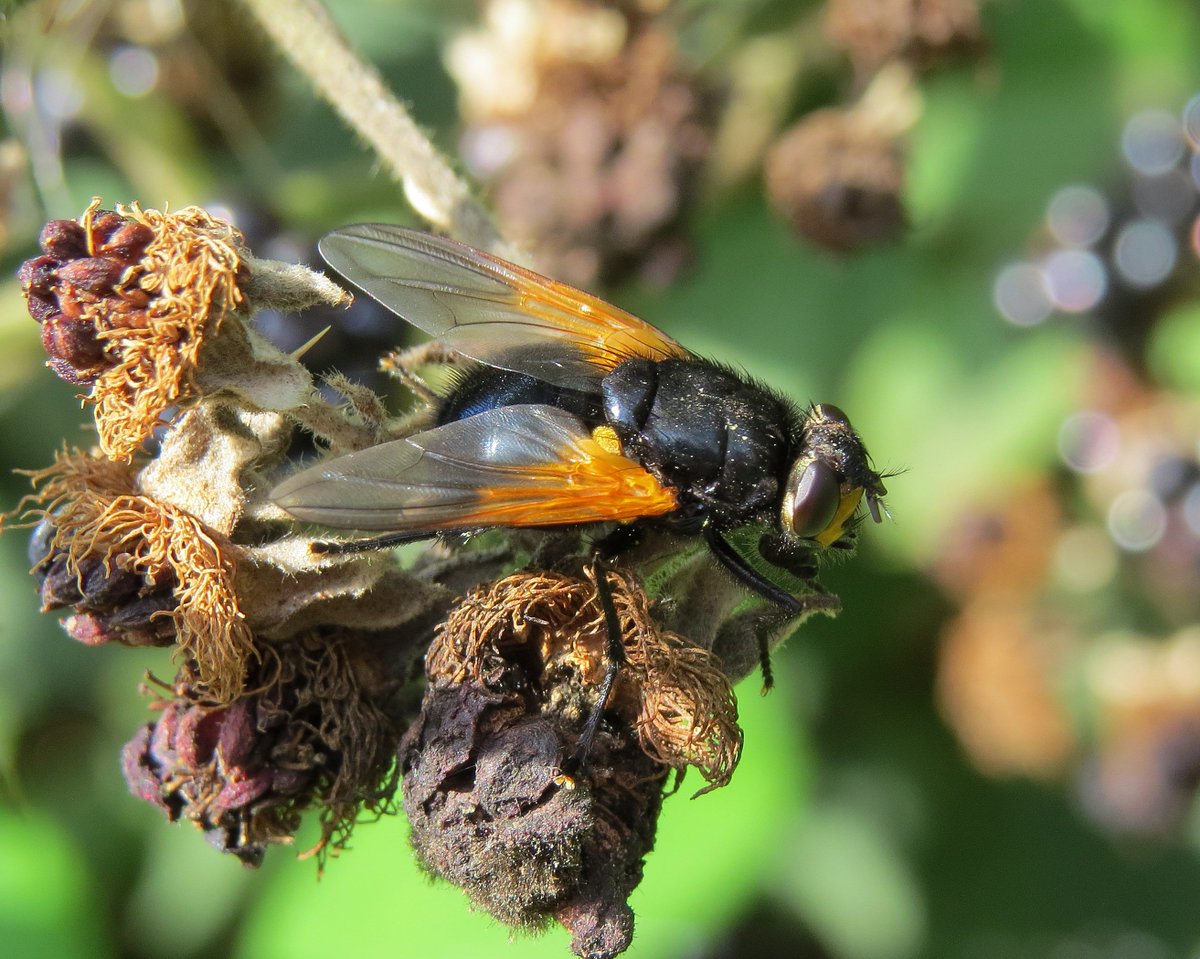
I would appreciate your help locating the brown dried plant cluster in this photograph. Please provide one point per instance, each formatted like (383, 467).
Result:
(126, 299)
(299, 672)
(672, 694)
(244, 773)
(96, 520)
(589, 128)
(597, 126)
(1033, 635)
(920, 32)
(159, 534)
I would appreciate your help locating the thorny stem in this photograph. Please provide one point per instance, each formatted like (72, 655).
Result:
(304, 31)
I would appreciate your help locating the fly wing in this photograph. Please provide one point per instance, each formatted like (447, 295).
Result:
(513, 466)
(491, 310)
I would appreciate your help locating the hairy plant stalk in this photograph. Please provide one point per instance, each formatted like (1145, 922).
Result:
(305, 32)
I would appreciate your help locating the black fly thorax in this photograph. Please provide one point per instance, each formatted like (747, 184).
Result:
(723, 443)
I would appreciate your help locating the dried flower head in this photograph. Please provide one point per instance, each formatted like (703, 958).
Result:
(1145, 773)
(998, 668)
(837, 181)
(1037, 577)
(119, 545)
(921, 32)
(1004, 551)
(514, 674)
(126, 300)
(289, 664)
(589, 129)
(317, 730)
(109, 603)
(1141, 496)
(1001, 656)
(672, 693)
(837, 175)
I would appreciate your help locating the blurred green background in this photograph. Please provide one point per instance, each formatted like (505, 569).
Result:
(992, 752)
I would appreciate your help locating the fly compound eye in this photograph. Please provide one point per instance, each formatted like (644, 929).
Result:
(812, 502)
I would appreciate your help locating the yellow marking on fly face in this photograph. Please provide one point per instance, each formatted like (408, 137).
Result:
(837, 526)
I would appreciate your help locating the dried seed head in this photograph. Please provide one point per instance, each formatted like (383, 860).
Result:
(319, 731)
(79, 273)
(514, 672)
(202, 764)
(589, 129)
(838, 180)
(921, 32)
(121, 553)
(125, 300)
(997, 689)
(492, 812)
(111, 602)
(1143, 775)
(672, 693)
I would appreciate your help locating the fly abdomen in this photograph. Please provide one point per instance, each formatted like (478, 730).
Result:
(484, 388)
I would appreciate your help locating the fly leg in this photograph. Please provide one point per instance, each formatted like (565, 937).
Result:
(733, 561)
(614, 654)
(749, 577)
(402, 364)
(336, 547)
(619, 540)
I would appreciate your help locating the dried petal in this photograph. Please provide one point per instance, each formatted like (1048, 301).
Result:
(63, 239)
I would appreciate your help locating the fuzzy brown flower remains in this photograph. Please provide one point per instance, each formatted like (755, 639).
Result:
(590, 130)
(921, 32)
(136, 570)
(289, 669)
(514, 673)
(837, 175)
(125, 300)
(318, 730)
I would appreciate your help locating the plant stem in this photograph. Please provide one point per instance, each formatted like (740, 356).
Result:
(305, 32)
